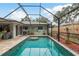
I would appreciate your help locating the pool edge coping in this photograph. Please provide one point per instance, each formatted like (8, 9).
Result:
(70, 50)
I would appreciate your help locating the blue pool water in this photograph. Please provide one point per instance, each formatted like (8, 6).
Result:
(42, 46)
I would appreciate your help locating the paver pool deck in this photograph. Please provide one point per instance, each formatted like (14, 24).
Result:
(5, 45)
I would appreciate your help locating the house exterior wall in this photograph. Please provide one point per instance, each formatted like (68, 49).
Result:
(15, 30)
(33, 29)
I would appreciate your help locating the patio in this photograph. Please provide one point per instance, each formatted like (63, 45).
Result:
(62, 31)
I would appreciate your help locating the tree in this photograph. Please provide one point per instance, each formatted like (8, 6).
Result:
(26, 18)
(42, 19)
(58, 13)
(66, 18)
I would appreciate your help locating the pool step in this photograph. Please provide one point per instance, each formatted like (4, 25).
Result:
(36, 52)
(25, 52)
(34, 38)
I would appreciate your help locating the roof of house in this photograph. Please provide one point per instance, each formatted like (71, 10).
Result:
(27, 22)
(10, 21)
(22, 22)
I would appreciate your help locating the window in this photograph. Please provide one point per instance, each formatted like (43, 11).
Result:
(25, 28)
(4, 27)
(40, 27)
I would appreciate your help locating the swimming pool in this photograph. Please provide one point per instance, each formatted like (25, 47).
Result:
(38, 46)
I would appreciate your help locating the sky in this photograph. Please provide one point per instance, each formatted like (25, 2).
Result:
(6, 8)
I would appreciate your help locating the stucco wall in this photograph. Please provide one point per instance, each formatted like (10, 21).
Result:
(33, 29)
